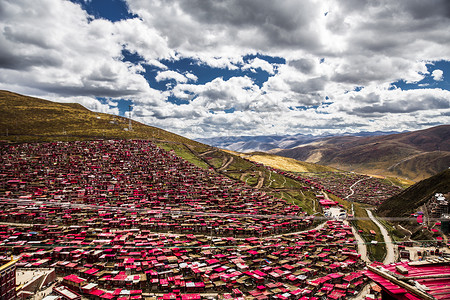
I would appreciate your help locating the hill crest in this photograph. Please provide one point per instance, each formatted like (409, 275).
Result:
(24, 118)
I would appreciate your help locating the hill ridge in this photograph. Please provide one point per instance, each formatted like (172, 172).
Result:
(24, 118)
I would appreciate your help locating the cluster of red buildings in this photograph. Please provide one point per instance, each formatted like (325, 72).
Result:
(366, 189)
(427, 279)
(124, 184)
(128, 220)
(136, 263)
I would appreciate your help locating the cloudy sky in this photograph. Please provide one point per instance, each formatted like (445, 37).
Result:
(205, 68)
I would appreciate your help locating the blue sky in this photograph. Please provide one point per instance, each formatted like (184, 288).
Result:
(204, 68)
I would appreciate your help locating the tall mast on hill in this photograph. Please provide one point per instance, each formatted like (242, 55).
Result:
(129, 118)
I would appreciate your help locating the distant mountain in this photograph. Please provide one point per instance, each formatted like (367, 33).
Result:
(413, 155)
(270, 142)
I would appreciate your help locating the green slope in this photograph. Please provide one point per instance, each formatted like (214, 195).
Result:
(24, 118)
(413, 197)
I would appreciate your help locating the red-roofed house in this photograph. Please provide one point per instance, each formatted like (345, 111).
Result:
(430, 280)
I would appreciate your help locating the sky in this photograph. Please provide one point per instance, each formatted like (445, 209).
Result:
(205, 68)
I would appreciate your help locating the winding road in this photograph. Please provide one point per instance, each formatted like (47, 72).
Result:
(351, 187)
(226, 163)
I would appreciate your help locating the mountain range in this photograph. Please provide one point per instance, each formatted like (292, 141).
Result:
(414, 155)
(264, 143)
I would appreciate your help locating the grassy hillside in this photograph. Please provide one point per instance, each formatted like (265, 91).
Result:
(408, 201)
(412, 200)
(426, 164)
(286, 163)
(25, 118)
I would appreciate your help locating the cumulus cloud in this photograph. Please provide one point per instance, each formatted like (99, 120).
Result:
(54, 47)
(437, 75)
(223, 27)
(167, 75)
(304, 65)
(342, 58)
(191, 77)
(236, 93)
(382, 101)
(261, 64)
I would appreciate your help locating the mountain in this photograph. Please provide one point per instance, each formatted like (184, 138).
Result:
(24, 118)
(257, 143)
(270, 142)
(413, 155)
(409, 200)
(412, 200)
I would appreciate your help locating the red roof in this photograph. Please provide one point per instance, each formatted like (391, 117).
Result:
(74, 278)
(438, 287)
(190, 297)
(96, 292)
(107, 296)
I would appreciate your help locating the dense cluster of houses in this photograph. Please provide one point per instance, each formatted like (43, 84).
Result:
(354, 187)
(128, 220)
(351, 186)
(110, 263)
(427, 279)
(438, 205)
(154, 189)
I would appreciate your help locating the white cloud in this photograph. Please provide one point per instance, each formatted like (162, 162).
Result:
(219, 95)
(51, 47)
(212, 27)
(167, 75)
(258, 63)
(438, 75)
(191, 77)
(54, 49)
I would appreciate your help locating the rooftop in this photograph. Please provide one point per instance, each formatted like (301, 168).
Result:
(428, 279)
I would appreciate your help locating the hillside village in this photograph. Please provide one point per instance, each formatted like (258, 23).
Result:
(224, 150)
(125, 219)
(168, 218)
(98, 229)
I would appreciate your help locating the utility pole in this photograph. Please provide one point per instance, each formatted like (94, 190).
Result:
(129, 118)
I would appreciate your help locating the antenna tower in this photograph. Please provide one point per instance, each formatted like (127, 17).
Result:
(129, 118)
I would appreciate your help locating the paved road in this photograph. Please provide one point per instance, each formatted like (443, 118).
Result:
(390, 255)
(362, 248)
